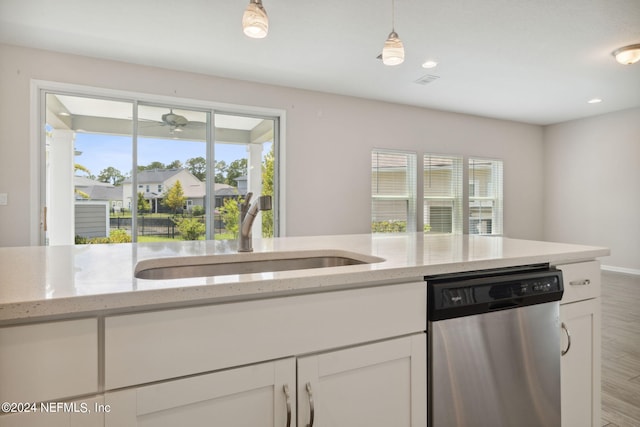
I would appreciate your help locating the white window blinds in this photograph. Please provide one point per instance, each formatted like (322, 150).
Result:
(393, 191)
(442, 184)
(485, 196)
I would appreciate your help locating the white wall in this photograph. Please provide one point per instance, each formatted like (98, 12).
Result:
(329, 139)
(592, 187)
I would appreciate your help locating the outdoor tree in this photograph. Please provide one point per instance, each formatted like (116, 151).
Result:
(190, 228)
(111, 175)
(176, 164)
(151, 166)
(220, 169)
(267, 190)
(236, 169)
(174, 197)
(230, 215)
(143, 204)
(78, 167)
(198, 167)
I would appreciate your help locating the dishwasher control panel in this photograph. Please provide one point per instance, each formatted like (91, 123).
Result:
(466, 294)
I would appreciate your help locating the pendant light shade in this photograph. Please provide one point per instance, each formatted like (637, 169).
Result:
(393, 50)
(627, 55)
(255, 22)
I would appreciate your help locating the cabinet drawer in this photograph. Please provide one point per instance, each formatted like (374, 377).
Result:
(78, 413)
(146, 347)
(581, 281)
(48, 361)
(251, 395)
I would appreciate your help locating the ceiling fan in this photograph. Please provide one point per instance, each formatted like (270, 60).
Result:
(175, 122)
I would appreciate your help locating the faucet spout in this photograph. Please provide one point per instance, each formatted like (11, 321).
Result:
(248, 214)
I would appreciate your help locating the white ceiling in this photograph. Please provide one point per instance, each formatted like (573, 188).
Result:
(531, 61)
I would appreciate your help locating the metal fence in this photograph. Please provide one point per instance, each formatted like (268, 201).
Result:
(153, 226)
(163, 227)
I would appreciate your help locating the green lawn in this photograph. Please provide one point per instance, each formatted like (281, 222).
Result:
(226, 236)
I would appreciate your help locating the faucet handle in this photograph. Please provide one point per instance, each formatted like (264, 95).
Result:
(265, 203)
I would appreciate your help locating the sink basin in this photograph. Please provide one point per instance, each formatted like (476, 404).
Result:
(222, 265)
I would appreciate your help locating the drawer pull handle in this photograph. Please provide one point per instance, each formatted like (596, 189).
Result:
(288, 402)
(311, 408)
(582, 282)
(566, 331)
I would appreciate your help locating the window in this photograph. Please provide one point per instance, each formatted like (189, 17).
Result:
(485, 196)
(94, 145)
(394, 194)
(393, 191)
(442, 184)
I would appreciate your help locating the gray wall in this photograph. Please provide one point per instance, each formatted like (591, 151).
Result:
(592, 185)
(91, 220)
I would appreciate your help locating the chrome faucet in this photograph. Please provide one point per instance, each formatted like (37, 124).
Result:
(247, 215)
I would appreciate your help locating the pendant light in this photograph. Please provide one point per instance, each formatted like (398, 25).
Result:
(393, 50)
(255, 22)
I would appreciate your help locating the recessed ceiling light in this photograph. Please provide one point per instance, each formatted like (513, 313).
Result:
(594, 101)
(429, 64)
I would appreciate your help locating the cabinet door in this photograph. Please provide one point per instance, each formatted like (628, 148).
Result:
(88, 412)
(249, 396)
(581, 363)
(382, 384)
(47, 361)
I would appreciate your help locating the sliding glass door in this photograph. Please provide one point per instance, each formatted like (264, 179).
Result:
(118, 170)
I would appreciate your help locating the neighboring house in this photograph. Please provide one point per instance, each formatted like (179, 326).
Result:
(93, 200)
(243, 184)
(223, 192)
(88, 189)
(153, 184)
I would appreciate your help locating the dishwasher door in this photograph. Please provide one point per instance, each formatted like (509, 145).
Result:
(496, 369)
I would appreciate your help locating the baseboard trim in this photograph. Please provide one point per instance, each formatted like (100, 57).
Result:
(621, 270)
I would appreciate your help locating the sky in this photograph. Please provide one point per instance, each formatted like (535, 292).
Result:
(102, 151)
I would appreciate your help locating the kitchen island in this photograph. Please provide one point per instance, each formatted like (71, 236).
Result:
(102, 338)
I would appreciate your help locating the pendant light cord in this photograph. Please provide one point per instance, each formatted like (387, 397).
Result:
(393, 16)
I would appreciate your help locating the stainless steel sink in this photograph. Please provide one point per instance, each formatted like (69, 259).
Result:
(222, 265)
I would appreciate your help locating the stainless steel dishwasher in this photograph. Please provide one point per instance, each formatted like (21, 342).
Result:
(494, 348)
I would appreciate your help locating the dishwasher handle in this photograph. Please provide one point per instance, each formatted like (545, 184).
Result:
(566, 331)
(505, 304)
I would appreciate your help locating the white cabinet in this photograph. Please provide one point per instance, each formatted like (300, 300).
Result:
(148, 347)
(379, 384)
(88, 412)
(45, 364)
(376, 385)
(580, 316)
(581, 363)
(581, 281)
(248, 396)
(47, 361)
(228, 364)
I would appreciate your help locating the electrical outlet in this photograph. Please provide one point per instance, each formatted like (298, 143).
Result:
(4, 199)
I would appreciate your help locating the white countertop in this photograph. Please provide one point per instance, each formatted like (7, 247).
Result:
(72, 281)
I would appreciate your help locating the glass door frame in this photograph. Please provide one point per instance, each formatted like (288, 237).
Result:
(40, 88)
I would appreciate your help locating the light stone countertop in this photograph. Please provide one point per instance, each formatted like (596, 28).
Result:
(38, 283)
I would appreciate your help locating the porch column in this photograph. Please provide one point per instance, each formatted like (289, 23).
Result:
(61, 189)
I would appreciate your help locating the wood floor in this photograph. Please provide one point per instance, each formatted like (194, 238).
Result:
(620, 350)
